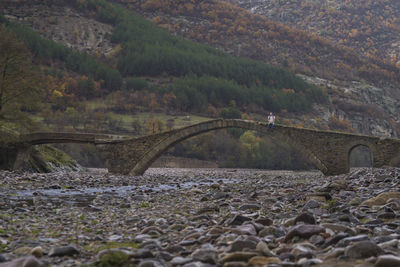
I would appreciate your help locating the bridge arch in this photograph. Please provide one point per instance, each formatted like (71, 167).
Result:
(328, 150)
(179, 135)
(395, 161)
(361, 155)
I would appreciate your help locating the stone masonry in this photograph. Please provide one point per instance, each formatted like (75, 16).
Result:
(328, 150)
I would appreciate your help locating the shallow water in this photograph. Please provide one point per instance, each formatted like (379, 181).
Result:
(83, 197)
(155, 180)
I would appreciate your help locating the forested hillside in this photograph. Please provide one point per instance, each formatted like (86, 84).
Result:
(236, 30)
(202, 77)
(358, 85)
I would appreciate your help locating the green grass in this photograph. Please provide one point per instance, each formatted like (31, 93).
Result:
(180, 120)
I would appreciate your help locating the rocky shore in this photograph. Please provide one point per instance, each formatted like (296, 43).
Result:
(200, 217)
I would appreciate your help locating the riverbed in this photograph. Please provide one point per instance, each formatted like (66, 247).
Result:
(200, 217)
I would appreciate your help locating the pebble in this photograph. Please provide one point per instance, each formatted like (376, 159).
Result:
(63, 251)
(363, 249)
(304, 231)
(28, 261)
(214, 217)
(387, 261)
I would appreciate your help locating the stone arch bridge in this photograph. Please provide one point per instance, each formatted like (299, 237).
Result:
(328, 150)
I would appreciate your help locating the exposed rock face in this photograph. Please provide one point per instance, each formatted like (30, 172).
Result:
(369, 109)
(63, 25)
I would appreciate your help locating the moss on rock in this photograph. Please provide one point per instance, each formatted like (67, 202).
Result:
(46, 158)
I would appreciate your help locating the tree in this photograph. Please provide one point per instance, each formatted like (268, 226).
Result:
(19, 82)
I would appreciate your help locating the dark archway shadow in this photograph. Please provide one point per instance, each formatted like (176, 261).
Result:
(360, 156)
(223, 148)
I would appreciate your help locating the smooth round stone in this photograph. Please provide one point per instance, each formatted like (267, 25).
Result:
(180, 260)
(152, 229)
(389, 244)
(198, 264)
(317, 240)
(240, 245)
(308, 262)
(215, 231)
(334, 253)
(306, 218)
(238, 220)
(261, 260)
(142, 237)
(28, 261)
(381, 199)
(264, 221)
(346, 241)
(289, 222)
(363, 249)
(271, 230)
(304, 231)
(247, 229)
(63, 251)
(153, 244)
(238, 256)
(339, 228)
(250, 206)
(115, 237)
(263, 248)
(311, 204)
(302, 252)
(334, 239)
(382, 239)
(235, 264)
(37, 252)
(143, 253)
(161, 221)
(387, 261)
(206, 254)
(150, 263)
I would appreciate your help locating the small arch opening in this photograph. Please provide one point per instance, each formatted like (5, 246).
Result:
(360, 156)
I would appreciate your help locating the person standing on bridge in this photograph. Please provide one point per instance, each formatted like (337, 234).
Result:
(271, 121)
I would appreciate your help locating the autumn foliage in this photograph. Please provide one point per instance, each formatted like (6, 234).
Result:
(241, 33)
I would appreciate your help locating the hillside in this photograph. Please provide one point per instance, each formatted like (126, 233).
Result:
(149, 70)
(371, 28)
(358, 85)
(201, 77)
(106, 65)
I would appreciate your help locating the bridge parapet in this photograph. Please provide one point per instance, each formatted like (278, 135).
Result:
(328, 150)
(47, 138)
